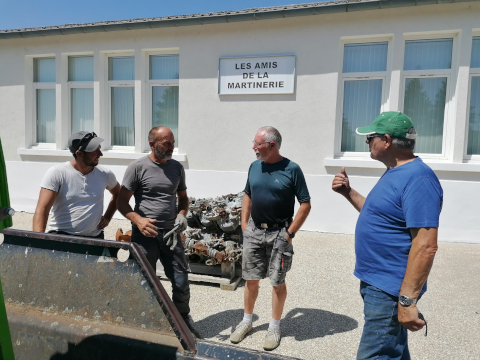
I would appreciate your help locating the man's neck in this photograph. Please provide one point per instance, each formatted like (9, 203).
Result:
(82, 168)
(398, 159)
(157, 160)
(273, 159)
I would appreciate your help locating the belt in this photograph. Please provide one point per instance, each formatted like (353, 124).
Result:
(268, 226)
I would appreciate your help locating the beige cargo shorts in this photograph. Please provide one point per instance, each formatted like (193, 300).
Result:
(266, 252)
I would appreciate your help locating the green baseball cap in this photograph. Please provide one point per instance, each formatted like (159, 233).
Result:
(393, 123)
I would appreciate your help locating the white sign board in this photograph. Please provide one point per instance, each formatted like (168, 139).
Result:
(257, 75)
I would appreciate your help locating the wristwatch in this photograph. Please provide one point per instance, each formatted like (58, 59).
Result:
(292, 235)
(404, 300)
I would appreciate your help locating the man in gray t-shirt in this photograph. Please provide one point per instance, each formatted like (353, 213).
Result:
(156, 181)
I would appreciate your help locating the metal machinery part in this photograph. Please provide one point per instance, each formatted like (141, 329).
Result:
(213, 234)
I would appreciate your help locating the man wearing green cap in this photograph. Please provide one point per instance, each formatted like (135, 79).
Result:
(395, 236)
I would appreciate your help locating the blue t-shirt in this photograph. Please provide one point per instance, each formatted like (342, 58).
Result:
(273, 188)
(408, 196)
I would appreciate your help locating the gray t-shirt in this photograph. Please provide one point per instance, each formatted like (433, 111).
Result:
(78, 206)
(155, 189)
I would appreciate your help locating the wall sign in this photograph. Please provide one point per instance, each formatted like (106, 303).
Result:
(257, 75)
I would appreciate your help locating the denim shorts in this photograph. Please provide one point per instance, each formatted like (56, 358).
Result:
(383, 336)
(266, 252)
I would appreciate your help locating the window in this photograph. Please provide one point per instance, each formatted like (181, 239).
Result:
(80, 80)
(427, 69)
(473, 147)
(45, 103)
(163, 87)
(121, 75)
(363, 78)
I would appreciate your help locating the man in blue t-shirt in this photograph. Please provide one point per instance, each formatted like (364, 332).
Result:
(273, 184)
(395, 237)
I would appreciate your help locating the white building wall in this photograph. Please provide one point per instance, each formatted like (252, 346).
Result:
(215, 132)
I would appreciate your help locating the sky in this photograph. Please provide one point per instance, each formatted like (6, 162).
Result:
(19, 14)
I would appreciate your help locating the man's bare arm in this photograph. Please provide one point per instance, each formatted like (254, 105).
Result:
(300, 218)
(44, 204)
(420, 261)
(112, 207)
(145, 225)
(341, 185)
(182, 202)
(246, 210)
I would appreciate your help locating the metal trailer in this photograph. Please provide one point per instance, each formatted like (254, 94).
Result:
(71, 298)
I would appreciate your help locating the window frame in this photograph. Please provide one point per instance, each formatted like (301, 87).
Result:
(78, 85)
(385, 76)
(149, 84)
(448, 115)
(42, 86)
(109, 84)
(474, 72)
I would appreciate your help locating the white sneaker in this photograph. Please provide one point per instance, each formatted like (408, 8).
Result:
(272, 339)
(239, 334)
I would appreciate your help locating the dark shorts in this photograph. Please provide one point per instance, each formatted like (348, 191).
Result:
(266, 252)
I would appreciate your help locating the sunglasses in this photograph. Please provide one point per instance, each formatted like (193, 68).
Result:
(85, 140)
(371, 137)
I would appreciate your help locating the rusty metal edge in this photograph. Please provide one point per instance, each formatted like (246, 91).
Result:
(178, 325)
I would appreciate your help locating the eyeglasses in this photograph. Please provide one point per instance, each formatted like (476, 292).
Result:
(371, 137)
(85, 140)
(257, 145)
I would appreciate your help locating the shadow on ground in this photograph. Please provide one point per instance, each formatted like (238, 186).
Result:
(300, 323)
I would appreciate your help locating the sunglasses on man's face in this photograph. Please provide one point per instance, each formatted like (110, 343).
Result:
(371, 137)
(85, 140)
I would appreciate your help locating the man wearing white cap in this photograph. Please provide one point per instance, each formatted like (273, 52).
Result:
(395, 236)
(74, 191)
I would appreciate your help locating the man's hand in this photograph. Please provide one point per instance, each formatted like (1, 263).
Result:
(103, 223)
(341, 183)
(408, 317)
(181, 221)
(146, 227)
(289, 239)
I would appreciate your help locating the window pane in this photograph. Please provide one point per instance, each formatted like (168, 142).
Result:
(82, 109)
(80, 68)
(365, 57)
(123, 116)
(475, 63)
(121, 68)
(44, 70)
(428, 54)
(165, 108)
(474, 124)
(163, 67)
(425, 104)
(46, 115)
(361, 105)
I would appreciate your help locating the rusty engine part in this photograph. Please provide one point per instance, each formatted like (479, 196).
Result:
(213, 232)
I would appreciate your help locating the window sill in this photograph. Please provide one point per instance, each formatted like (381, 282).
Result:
(373, 164)
(107, 154)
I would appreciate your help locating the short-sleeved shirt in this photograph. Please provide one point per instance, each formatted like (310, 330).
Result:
(78, 206)
(405, 197)
(155, 188)
(273, 188)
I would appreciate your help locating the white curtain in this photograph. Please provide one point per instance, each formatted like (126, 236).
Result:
(425, 104)
(123, 124)
(44, 70)
(46, 115)
(474, 119)
(163, 67)
(82, 109)
(121, 68)
(361, 105)
(365, 57)
(80, 68)
(428, 54)
(165, 108)
(475, 63)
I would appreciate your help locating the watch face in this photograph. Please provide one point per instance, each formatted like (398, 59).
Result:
(405, 300)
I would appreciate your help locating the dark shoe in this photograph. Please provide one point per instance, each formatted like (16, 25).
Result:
(189, 322)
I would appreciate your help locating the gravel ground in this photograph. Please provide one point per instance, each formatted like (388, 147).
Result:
(323, 315)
